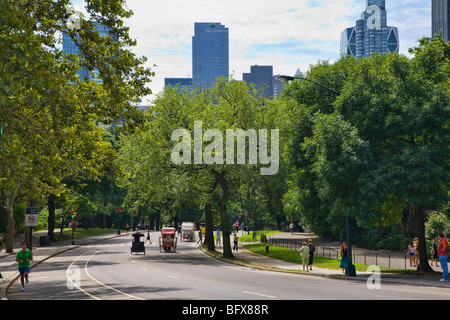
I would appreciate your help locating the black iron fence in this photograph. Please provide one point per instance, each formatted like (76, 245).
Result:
(396, 260)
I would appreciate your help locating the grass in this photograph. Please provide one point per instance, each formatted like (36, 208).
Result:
(249, 237)
(81, 233)
(293, 256)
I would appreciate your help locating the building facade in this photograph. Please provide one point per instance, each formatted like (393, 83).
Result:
(261, 77)
(371, 33)
(183, 83)
(70, 47)
(440, 22)
(210, 53)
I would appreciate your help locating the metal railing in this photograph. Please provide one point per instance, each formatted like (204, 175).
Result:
(382, 259)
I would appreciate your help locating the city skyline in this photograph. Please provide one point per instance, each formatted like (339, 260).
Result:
(288, 35)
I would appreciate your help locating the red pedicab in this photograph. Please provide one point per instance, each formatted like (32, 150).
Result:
(168, 240)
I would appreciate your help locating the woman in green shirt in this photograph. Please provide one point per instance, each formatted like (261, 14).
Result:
(23, 257)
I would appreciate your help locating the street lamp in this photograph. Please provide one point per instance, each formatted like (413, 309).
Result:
(350, 268)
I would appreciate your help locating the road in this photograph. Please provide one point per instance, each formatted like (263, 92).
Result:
(108, 271)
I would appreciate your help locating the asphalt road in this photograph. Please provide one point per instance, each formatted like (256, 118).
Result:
(108, 271)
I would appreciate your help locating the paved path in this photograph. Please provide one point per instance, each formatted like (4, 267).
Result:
(8, 266)
(259, 261)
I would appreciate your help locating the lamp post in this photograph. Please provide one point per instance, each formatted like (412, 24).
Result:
(350, 268)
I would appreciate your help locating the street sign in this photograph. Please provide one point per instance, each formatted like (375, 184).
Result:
(119, 209)
(31, 217)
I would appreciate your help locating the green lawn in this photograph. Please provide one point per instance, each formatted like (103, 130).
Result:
(249, 237)
(81, 233)
(294, 256)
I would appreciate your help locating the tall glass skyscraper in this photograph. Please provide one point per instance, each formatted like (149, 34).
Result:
(210, 53)
(440, 18)
(371, 33)
(70, 47)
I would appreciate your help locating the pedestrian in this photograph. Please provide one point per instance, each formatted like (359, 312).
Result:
(199, 236)
(443, 255)
(416, 251)
(148, 237)
(312, 249)
(235, 242)
(304, 252)
(411, 252)
(434, 253)
(291, 226)
(343, 256)
(218, 238)
(23, 257)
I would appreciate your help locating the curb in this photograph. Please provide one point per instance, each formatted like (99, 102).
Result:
(316, 274)
(13, 278)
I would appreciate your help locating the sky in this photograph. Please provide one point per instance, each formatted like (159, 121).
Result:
(287, 34)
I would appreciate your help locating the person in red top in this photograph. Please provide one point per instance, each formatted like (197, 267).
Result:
(443, 255)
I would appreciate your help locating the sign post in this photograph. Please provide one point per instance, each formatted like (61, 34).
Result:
(118, 210)
(31, 220)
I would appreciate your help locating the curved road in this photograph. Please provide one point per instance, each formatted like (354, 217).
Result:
(108, 271)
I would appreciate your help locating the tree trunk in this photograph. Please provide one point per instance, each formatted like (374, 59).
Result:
(51, 217)
(10, 197)
(419, 217)
(209, 236)
(220, 178)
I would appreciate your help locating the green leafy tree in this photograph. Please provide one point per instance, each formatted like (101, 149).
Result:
(380, 145)
(46, 111)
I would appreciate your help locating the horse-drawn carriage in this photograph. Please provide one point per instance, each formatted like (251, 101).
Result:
(168, 240)
(187, 231)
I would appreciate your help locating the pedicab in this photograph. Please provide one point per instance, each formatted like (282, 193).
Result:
(168, 239)
(137, 243)
(187, 231)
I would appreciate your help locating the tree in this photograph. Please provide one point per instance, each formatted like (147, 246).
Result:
(389, 145)
(186, 144)
(45, 109)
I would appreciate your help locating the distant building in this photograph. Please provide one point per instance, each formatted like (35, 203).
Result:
(261, 77)
(371, 33)
(440, 18)
(277, 85)
(70, 47)
(183, 83)
(210, 53)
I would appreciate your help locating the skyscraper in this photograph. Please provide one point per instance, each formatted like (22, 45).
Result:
(371, 33)
(261, 76)
(210, 53)
(70, 47)
(440, 18)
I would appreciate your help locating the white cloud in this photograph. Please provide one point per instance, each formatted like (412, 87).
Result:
(287, 34)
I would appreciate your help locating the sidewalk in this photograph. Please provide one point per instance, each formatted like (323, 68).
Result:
(263, 262)
(8, 264)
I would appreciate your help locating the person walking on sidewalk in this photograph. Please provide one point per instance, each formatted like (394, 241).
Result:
(199, 236)
(218, 238)
(434, 253)
(24, 257)
(235, 242)
(312, 249)
(343, 256)
(304, 252)
(411, 252)
(443, 255)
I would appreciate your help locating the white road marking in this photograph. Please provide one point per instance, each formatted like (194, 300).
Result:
(259, 294)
